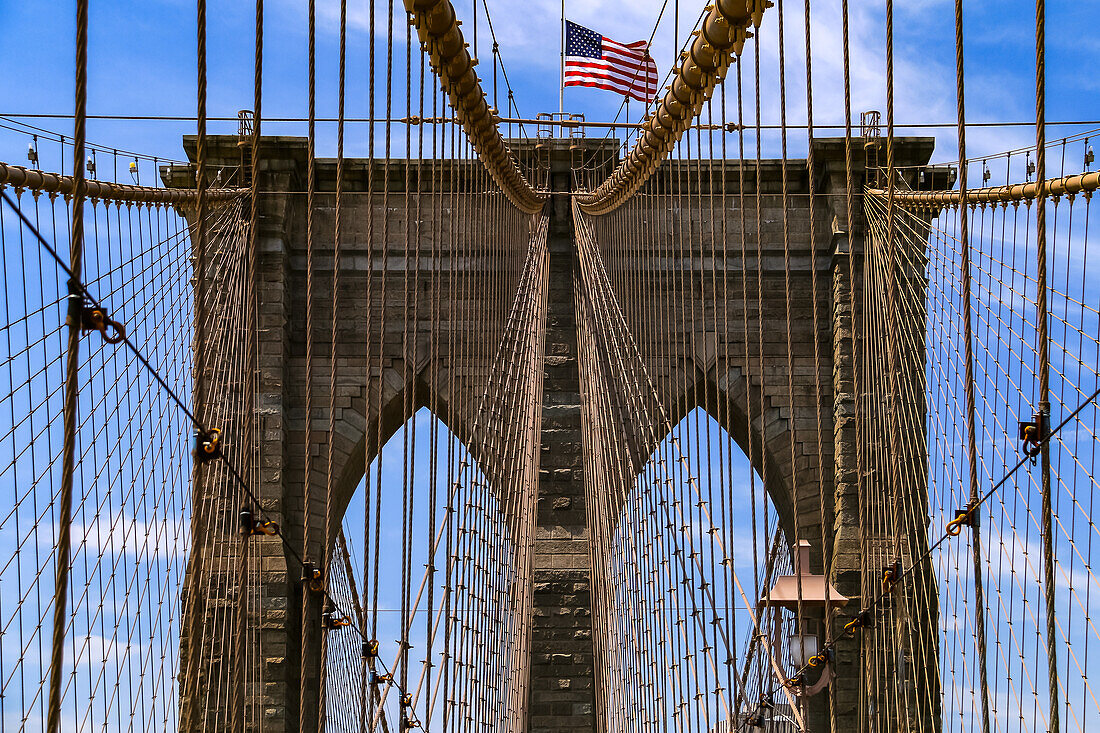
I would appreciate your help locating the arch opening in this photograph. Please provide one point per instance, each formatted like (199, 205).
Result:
(426, 563)
(694, 547)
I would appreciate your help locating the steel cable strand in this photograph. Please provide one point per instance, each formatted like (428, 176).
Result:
(307, 472)
(1043, 356)
(72, 366)
(611, 308)
(324, 563)
(874, 606)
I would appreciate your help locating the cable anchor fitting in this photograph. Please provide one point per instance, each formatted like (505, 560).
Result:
(819, 659)
(1033, 433)
(91, 317)
(891, 575)
(967, 517)
(208, 445)
(313, 577)
(864, 620)
(370, 649)
(331, 620)
(250, 525)
(378, 679)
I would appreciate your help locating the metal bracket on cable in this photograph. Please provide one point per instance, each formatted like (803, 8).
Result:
(331, 620)
(312, 577)
(90, 317)
(250, 525)
(967, 517)
(208, 445)
(1033, 433)
(864, 620)
(370, 649)
(891, 575)
(408, 723)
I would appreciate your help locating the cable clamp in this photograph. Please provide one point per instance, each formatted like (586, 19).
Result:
(208, 445)
(407, 699)
(967, 517)
(90, 317)
(891, 575)
(331, 621)
(410, 724)
(377, 679)
(313, 577)
(795, 681)
(758, 719)
(1033, 433)
(819, 659)
(250, 525)
(864, 620)
(370, 649)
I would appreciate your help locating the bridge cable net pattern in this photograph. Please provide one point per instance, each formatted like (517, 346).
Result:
(163, 601)
(989, 632)
(1028, 502)
(941, 472)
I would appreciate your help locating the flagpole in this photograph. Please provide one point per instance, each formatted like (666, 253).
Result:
(561, 87)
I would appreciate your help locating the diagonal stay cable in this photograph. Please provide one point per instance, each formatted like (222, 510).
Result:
(927, 554)
(79, 289)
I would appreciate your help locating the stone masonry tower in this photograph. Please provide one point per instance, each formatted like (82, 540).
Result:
(563, 695)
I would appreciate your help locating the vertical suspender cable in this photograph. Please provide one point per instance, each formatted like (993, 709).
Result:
(892, 274)
(826, 549)
(200, 223)
(968, 350)
(367, 661)
(72, 367)
(251, 372)
(891, 285)
(308, 624)
(850, 214)
(327, 537)
(1043, 338)
(199, 515)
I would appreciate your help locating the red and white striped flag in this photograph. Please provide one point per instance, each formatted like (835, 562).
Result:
(592, 60)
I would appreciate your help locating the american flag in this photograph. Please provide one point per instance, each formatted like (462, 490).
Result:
(592, 60)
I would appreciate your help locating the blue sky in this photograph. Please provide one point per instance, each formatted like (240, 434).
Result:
(142, 57)
(142, 62)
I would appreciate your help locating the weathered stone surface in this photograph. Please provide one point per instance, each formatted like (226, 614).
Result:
(713, 365)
